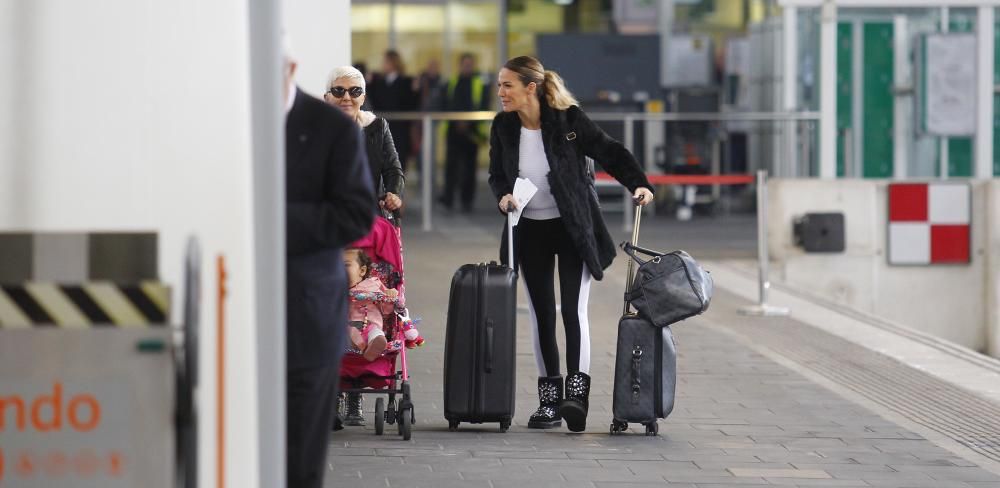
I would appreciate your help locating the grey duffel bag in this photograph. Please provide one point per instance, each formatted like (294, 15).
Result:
(668, 287)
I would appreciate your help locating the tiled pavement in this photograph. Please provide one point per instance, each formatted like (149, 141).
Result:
(742, 418)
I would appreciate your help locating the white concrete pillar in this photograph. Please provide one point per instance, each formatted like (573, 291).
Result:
(992, 220)
(320, 33)
(665, 22)
(136, 116)
(828, 90)
(790, 85)
(901, 75)
(268, 123)
(984, 92)
(944, 155)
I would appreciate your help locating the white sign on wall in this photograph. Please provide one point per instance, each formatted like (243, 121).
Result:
(950, 91)
(689, 61)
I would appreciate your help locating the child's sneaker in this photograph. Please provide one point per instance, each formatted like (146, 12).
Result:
(376, 345)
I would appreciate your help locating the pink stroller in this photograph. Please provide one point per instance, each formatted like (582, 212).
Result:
(380, 377)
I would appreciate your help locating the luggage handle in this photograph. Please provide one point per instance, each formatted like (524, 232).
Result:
(489, 346)
(635, 241)
(510, 236)
(636, 369)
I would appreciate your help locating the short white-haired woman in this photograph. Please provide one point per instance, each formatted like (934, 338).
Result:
(542, 135)
(346, 91)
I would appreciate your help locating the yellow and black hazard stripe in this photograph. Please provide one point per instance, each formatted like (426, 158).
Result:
(91, 304)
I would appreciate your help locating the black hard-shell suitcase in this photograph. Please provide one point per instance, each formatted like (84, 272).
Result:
(479, 346)
(645, 366)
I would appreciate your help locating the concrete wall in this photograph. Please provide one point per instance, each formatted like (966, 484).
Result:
(993, 268)
(955, 302)
(135, 115)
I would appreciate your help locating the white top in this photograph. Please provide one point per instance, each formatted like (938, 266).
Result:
(533, 165)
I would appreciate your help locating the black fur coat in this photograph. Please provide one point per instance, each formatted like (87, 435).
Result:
(568, 136)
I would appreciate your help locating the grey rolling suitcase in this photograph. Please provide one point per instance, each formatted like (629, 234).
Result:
(645, 366)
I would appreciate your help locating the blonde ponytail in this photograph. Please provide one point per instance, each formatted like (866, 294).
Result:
(552, 90)
(556, 93)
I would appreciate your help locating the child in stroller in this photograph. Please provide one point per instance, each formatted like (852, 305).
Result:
(369, 366)
(368, 301)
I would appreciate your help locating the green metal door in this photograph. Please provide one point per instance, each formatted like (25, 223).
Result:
(878, 100)
(845, 88)
(876, 136)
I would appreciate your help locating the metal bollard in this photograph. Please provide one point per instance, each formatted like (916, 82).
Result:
(762, 308)
(426, 179)
(629, 143)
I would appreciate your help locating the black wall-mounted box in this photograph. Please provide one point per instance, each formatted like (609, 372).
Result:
(820, 232)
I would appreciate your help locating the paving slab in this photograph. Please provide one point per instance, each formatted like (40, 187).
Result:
(745, 415)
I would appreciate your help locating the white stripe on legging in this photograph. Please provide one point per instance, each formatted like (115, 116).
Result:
(581, 311)
(539, 361)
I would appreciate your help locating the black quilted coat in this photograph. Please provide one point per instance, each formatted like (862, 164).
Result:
(569, 136)
(387, 173)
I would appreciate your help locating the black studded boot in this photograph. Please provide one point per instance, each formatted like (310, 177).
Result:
(354, 415)
(550, 392)
(574, 407)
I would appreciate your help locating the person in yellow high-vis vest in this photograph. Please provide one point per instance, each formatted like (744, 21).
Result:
(465, 92)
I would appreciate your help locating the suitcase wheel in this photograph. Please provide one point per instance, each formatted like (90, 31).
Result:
(617, 427)
(453, 425)
(504, 425)
(652, 428)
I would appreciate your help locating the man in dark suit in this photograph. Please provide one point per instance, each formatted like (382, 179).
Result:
(465, 92)
(330, 203)
(392, 91)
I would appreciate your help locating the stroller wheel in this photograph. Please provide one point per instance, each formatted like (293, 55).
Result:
(379, 416)
(390, 412)
(406, 423)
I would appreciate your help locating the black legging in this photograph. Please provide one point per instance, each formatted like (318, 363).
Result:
(538, 244)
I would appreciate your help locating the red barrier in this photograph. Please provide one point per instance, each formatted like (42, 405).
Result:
(733, 179)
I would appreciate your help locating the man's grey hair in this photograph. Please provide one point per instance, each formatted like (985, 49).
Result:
(349, 72)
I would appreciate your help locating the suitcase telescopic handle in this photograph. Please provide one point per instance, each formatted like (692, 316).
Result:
(635, 242)
(510, 235)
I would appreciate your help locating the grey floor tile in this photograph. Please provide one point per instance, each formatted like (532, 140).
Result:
(735, 409)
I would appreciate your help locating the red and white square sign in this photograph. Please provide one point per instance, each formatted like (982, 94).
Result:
(929, 223)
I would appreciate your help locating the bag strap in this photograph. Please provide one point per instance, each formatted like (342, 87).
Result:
(645, 251)
(636, 370)
(630, 250)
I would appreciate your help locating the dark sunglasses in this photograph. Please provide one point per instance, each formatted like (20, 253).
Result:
(339, 91)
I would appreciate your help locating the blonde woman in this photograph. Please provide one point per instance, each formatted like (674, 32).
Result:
(542, 135)
(346, 91)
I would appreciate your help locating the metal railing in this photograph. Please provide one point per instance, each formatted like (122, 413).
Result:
(629, 119)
